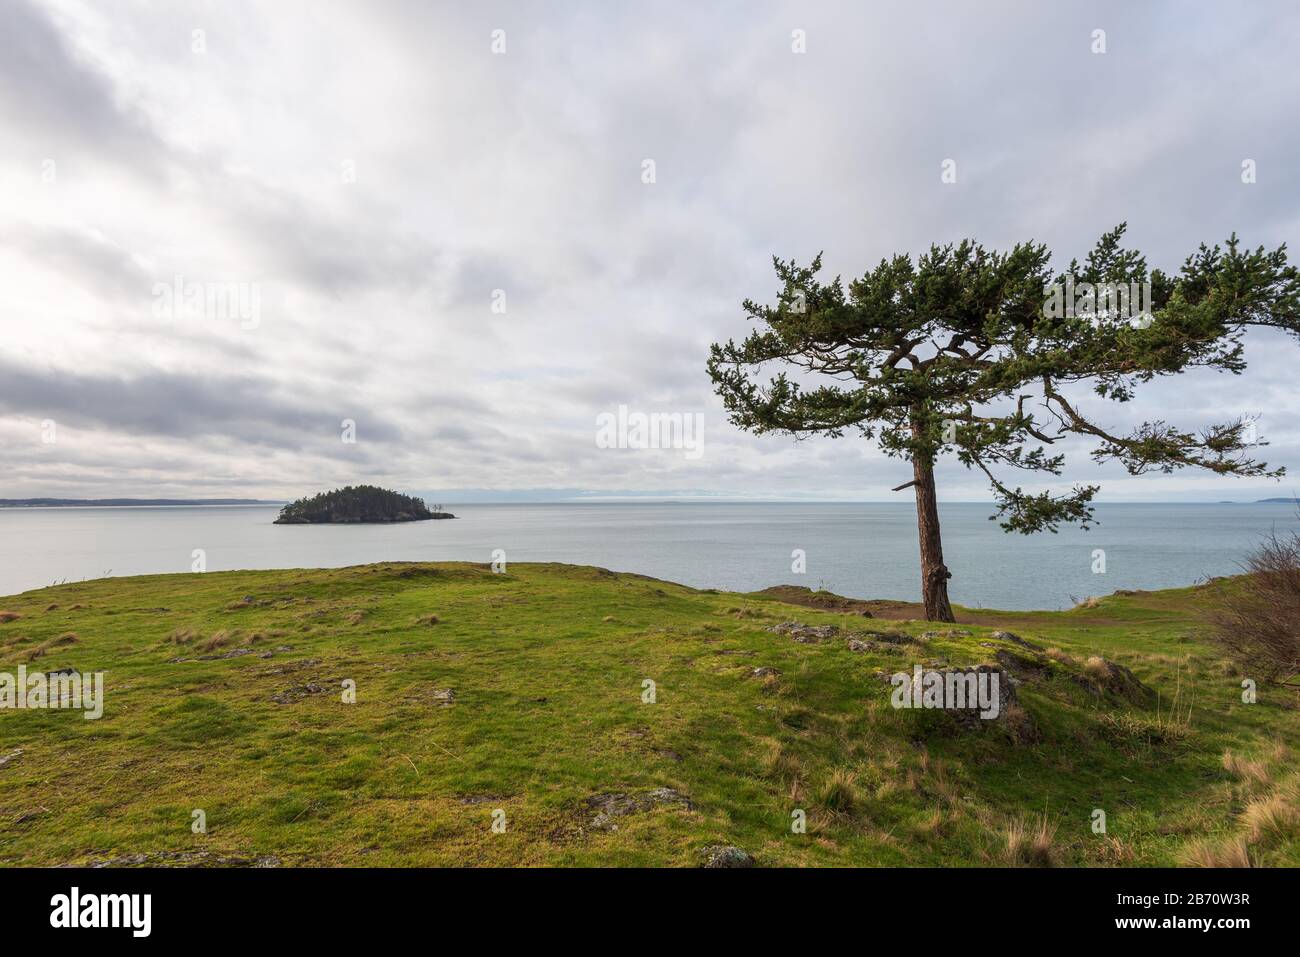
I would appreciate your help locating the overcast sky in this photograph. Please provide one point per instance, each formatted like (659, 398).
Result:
(368, 174)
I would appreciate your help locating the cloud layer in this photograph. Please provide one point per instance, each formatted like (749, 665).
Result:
(454, 248)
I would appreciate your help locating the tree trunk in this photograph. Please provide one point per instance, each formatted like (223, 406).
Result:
(934, 573)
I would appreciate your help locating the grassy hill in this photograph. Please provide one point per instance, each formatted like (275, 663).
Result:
(522, 693)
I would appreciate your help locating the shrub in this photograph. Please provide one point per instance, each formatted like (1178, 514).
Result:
(1257, 618)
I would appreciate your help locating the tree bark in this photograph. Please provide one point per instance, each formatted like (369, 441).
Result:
(934, 573)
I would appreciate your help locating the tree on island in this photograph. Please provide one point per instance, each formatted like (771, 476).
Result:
(942, 355)
(357, 503)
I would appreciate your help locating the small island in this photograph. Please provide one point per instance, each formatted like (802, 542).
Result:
(358, 504)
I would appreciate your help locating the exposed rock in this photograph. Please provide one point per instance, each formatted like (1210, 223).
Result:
(805, 634)
(1022, 666)
(890, 637)
(858, 640)
(290, 695)
(726, 855)
(956, 697)
(1017, 640)
(11, 756)
(233, 653)
(857, 644)
(619, 804)
(764, 672)
(291, 666)
(1100, 674)
(186, 859)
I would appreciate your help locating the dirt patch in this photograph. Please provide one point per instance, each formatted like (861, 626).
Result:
(892, 610)
(828, 601)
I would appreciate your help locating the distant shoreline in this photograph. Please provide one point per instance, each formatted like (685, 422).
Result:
(133, 502)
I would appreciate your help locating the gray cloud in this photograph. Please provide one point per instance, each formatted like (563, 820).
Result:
(50, 91)
(246, 409)
(523, 172)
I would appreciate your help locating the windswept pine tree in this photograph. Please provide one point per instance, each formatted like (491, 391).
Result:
(357, 503)
(979, 354)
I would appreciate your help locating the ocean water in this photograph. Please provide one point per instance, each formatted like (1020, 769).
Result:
(866, 550)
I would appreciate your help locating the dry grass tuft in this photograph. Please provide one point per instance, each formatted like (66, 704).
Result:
(41, 650)
(1030, 844)
(932, 825)
(1269, 819)
(1229, 853)
(1244, 769)
(839, 792)
(217, 640)
(428, 620)
(8, 616)
(1125, 728)
(1115, 853)
(1095, 667)
(784, 767)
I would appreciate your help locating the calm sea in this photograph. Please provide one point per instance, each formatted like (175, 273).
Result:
(862, 550)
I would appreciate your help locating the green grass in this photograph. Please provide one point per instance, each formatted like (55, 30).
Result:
(546, 665)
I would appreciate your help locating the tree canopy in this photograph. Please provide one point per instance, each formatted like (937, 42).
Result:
(977, 353)
(356, 503)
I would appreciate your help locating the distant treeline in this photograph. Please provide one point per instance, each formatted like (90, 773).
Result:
(74, 502)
